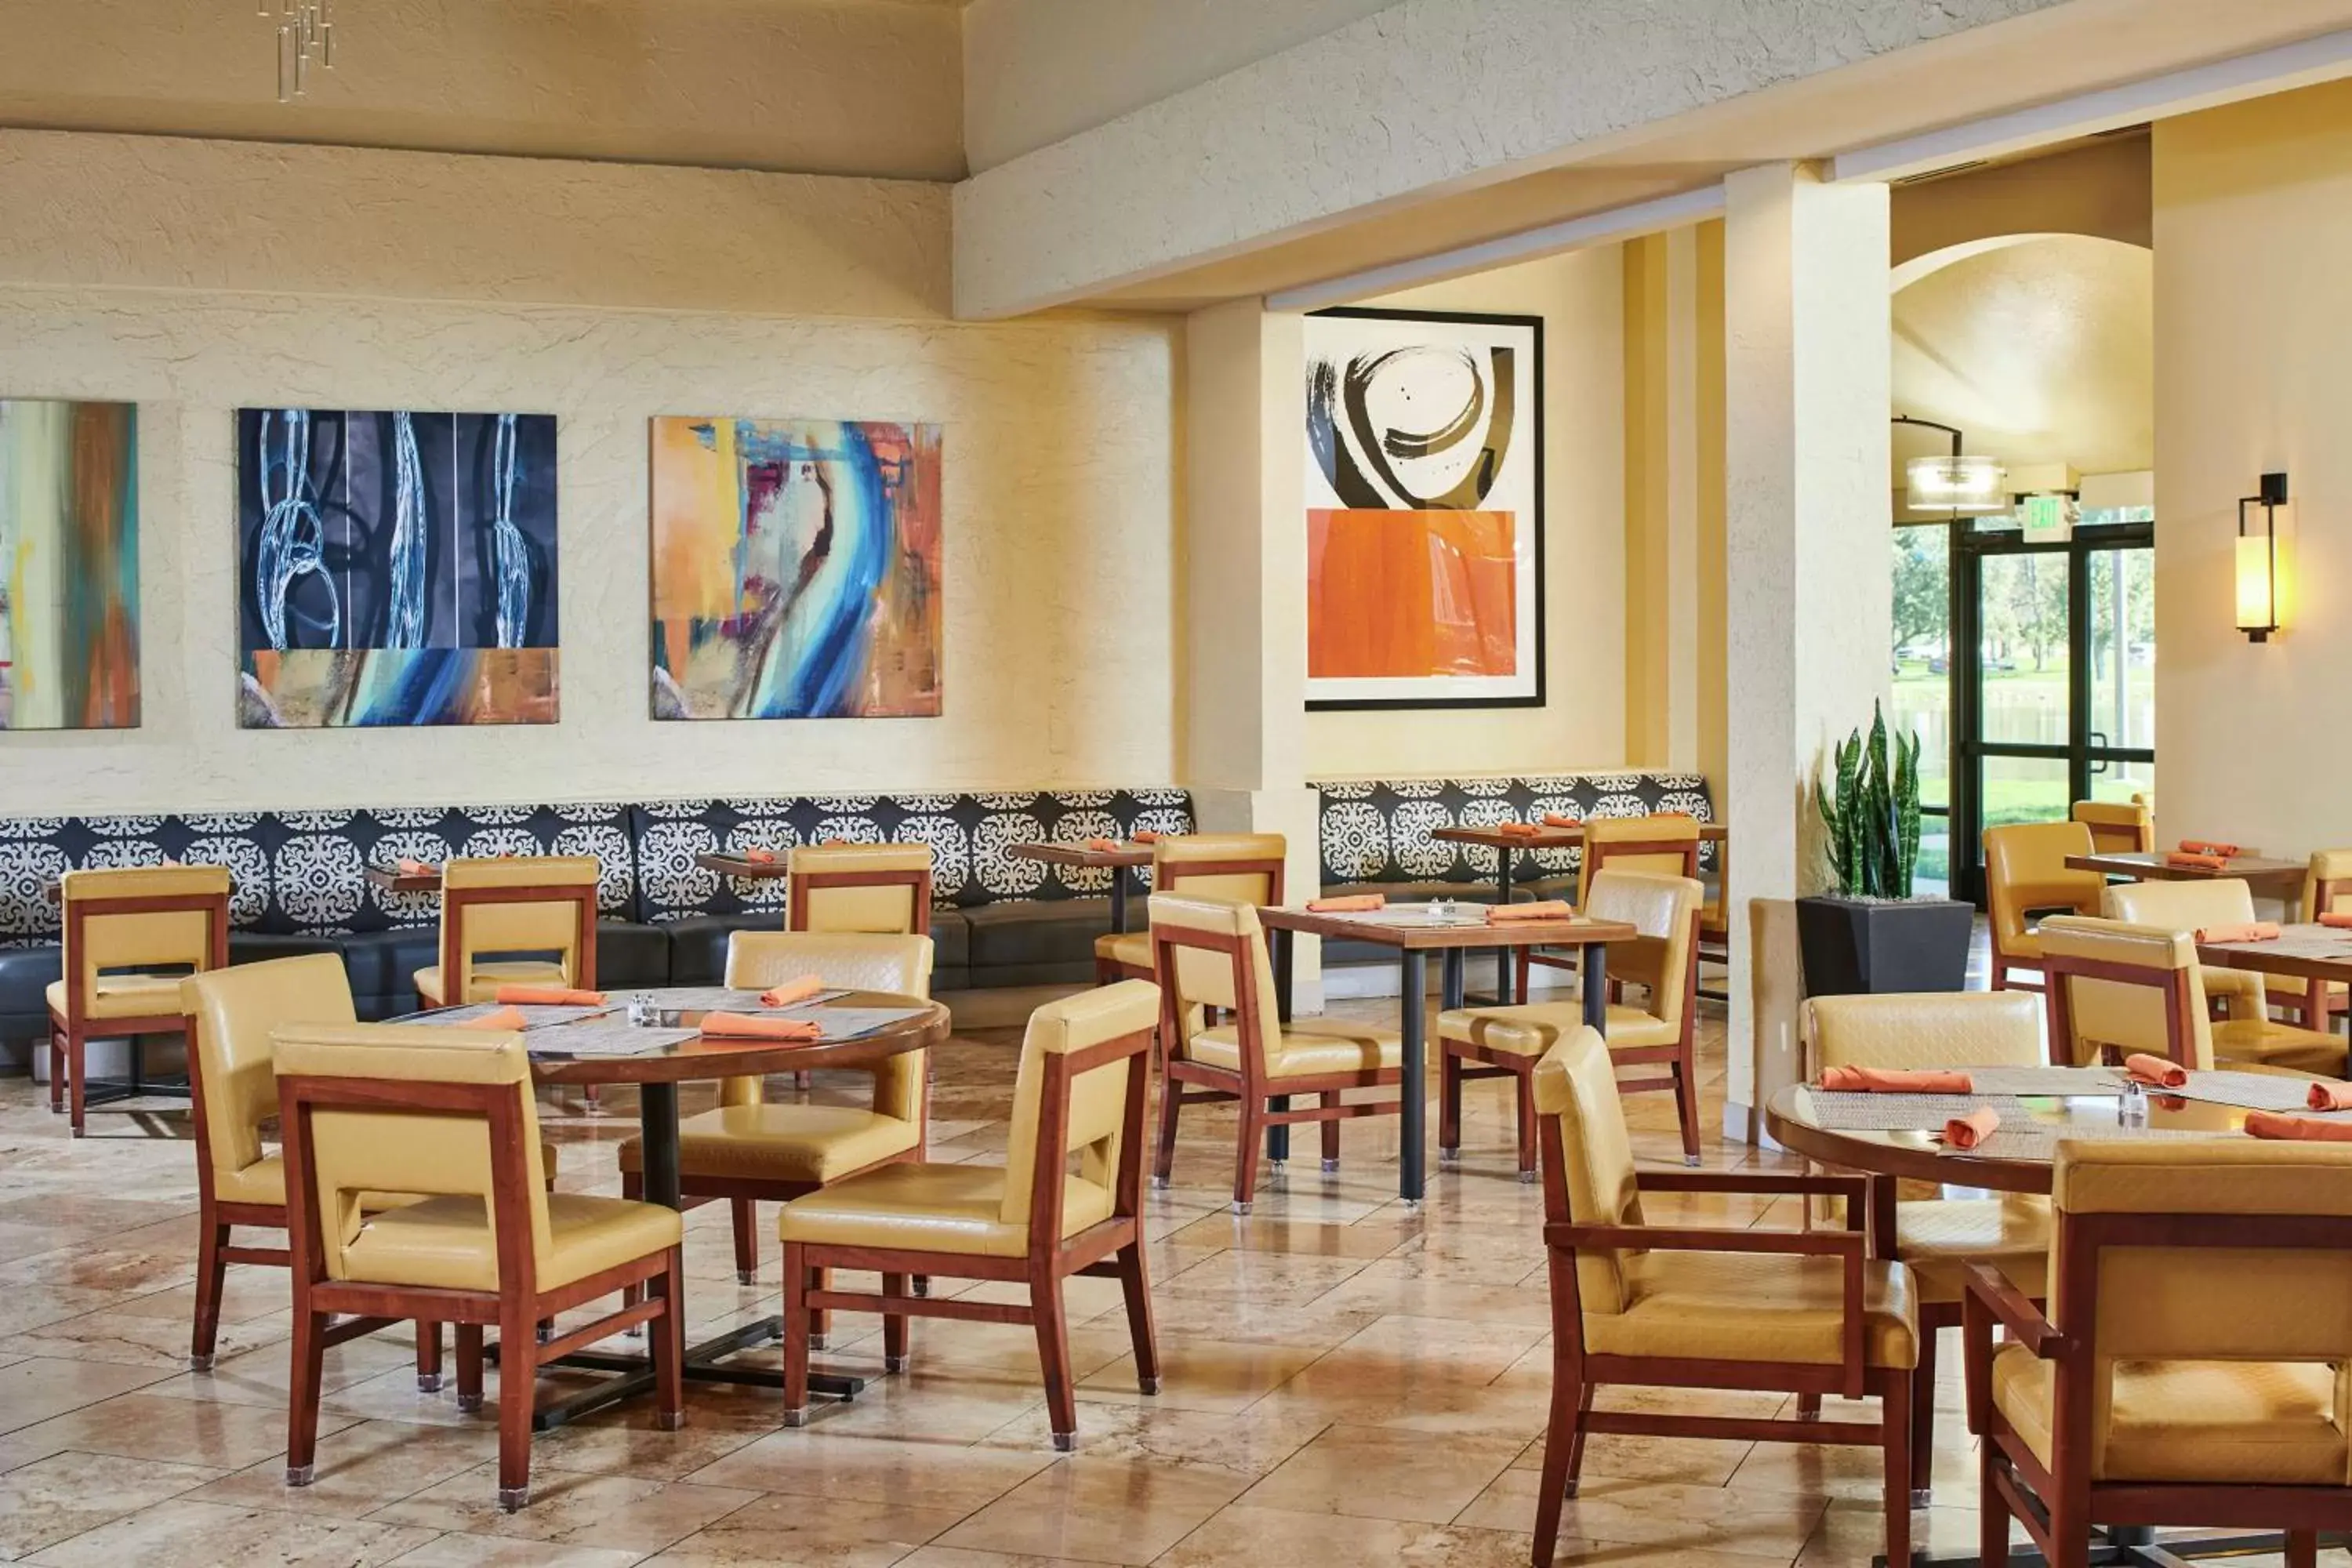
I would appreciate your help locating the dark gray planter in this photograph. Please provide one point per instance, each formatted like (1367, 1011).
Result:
(1856, 947)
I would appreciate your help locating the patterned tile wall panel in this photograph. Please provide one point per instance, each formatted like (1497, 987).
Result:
(1378, 830)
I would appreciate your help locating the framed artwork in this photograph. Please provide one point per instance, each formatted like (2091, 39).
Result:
(68, 565)
(395, 568)
(796, 569)
(1425, 510)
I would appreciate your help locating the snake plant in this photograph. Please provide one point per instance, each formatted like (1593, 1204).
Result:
(1873, 813)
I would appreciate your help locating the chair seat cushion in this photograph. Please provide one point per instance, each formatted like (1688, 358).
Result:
(1310, 1046)
(446, 1243)
(264, 1182)
(1755, 1305)
(797, 1145)
(488, 977)
(1532, 1028)
(1937, 1241)
(2217, 1422)
(930, 1208)
(123, 996)
(1131, 948)
(2270, 1045)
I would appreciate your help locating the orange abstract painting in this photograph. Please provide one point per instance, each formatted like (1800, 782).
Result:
(1410, 594)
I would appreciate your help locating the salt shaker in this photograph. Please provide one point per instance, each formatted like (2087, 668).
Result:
(2131, 1110)
(642, 1011)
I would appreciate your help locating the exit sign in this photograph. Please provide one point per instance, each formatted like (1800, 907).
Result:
(2046, 519)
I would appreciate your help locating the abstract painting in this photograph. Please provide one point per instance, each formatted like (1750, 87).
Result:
(395, 568)
(796, 569)
(1425, 510)
(68, 565)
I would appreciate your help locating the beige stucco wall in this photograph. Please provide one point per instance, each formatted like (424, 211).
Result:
(1060, 443)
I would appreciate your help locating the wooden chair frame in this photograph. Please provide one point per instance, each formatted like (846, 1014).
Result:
(456, 982)
(798, 888)
(2313, 1003)
(2058, 1504)
(516, 1308)
(2180, 1026)
(1265, 1101)
(1168, 875)
(1455, 1066)
(1577, 1374)
(1597, 854)
(1112, 1248)
(69, 1036)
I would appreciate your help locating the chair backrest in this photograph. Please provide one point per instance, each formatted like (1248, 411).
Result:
(2118, 827)
(880, 887)
(1664, 957)
(856, 961)
(2134, 987)
(146, 918)
(1928, 1029)
(409, 1107)
(2025, 870)
(2227, 1250)
(231, 1013)
(1211, 953)
(1666, 843)
(1080, 1089)
(2184, 905)
(516, 903)
(1245, 867)
(1587, 1157)
(2327, 885)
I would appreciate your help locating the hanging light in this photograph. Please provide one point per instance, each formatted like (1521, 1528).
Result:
(306, 37)
(1957, 483)
(2258, 562)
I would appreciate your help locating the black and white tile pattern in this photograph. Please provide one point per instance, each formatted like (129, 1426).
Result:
(1377, 831)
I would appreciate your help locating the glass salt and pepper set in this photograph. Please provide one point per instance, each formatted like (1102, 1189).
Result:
(2131, 1108)
(643, 1013)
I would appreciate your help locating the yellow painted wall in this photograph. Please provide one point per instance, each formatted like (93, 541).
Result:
(1648, 461)
(1714, 746)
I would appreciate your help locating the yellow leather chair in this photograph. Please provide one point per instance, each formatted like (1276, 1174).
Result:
(2026, 875)
(1664, 845)
(1938, 1237)
(1807, 1313)
(1500, 1042)
(2326, 890)
(1079, 1089)
(121, 928)
(1244, 867)
(2118, 827)
(880, 887)
(1210, 953)
(516, 904)
(2140, 988)
(371, 1108)
(2190, 1368)
(2185, 906)
(748, 1148)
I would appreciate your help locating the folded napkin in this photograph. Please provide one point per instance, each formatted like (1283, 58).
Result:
(2189, 859)
(504, 1018)
(2157, 1072)
(761, 856)
(2207, 846)
(1683, 815)
(1519, 829)
(408, 867)
(1546, 910)
(1967, 1131)
(745, 1026)
(1353, 903)
(2339, 919)
(2253, 931)
(550, 997)
(1896, 1081)
(2276, 1124)
(833, 843)
(1554, 819)
(2330, 1095)
(1102, 843)
(1144, 835)
(795, 990)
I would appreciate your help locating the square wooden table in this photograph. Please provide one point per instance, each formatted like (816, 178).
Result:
(739, 866)
(2281, 878)
(1120, 859)
(2311, 951)
(1452, 940)
(392, 879)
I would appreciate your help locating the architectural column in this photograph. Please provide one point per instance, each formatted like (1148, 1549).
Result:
(1809, 579)
(1242, 597)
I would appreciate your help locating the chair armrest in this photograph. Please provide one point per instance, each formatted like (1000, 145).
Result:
(2005, 1304)
(1855, 1188)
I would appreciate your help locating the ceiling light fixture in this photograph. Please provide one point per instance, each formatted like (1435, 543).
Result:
(306, 37)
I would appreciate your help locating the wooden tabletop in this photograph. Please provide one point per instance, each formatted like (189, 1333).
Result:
(700, 1057)
(2306, 951)
(1472, 931)
(737, 865)
(1912, 1154)
(1128, 853)
(1547, 838)
(393, 880)
(2152, 867)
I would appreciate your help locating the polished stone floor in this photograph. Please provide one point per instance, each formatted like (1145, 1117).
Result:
(1348, 1381)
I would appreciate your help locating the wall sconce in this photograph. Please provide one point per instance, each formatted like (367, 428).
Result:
(1956, 483)
(2258, 564)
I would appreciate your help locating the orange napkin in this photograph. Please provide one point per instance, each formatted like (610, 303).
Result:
(408, 867)
(1685, 815)
(833, 843)
(2207, 846)
(1144, 835)
(2159, 1072)
(1518, 829)
(2330, 1096)
(742, 1026)
(1547, 910)
(791, 991)
(1102, 843)
(1554, 819)
(2297, 1129)
(1353, 904)
(550, 997)
(761, 856)
(504, 1018)
(1896, 1081)
(2341, 919)
(2253, 931)
(1967, 1131)
(2187, 859)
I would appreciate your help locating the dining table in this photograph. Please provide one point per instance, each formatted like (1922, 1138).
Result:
(2273, 879)
(1119, 857)
(599, 1046)
(1417, 931)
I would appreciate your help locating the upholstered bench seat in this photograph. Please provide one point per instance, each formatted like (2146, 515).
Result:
(1041, 942)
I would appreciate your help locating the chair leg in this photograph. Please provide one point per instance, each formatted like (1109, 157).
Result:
(668, 1332)
(1523, 967)
(1686, 1095)
(1523, 1091)
(1135, 1285)
(1053, 1356)
(1330, 1100)
(820, 1322)
(1808, 1407)
(57, 1073)
(428, 1357)
(633, 1187)
(1449, 1105)
(1894, 1420)
(893, 1327)
(309, 1369)
(469, 1366)
(2302, 1548)
(1171, 1105)
(212, 1273)
(1992, 1510)
(517, 1383)
(796, 1334)
(747, 1239)
(1923, 1417)
(1563, 1451)
(1245, 1160)
(75, 1089)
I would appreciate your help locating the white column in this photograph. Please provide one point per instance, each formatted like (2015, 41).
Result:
(1807, 346)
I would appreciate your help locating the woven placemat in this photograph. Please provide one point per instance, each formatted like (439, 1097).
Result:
(605, 1036)
(2247, 1090)
(1905, 1112)
(2046, 1081)
(2039, 1140)
(535, 1015)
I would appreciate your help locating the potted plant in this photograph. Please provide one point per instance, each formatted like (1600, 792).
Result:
(1873, 935)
